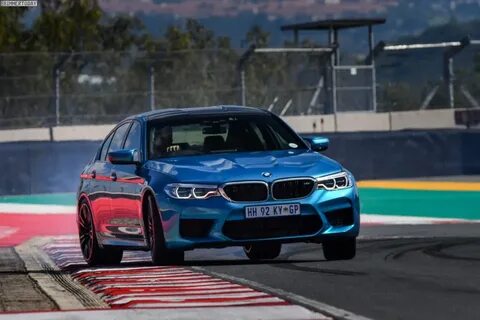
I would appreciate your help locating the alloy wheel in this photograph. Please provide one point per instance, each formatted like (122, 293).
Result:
(151, 231)
(86, 231)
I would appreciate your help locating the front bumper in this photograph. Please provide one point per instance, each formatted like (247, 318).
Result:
(216, 222)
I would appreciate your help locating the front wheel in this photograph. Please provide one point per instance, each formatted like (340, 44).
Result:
(160, 254)
(91, 251)
(340, 248)
(261, 251)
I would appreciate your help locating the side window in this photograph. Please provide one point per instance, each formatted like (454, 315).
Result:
(106, 144)
(134, 137)
(118, 137)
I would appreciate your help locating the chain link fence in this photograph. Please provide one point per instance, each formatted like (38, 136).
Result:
(421, 80)
(39, 89)
(289, 83)
(48, 89)
(354, 91)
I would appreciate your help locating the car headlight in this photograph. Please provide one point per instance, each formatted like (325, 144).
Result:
(191, 191)
(336, 181)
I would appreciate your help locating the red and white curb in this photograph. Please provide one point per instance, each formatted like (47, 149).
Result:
(155, 287)
(178, 291)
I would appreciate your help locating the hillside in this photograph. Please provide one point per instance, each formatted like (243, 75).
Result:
(234, 17)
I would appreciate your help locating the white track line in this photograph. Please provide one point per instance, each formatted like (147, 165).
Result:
(409, 220)
(243, 313)
(21, 208)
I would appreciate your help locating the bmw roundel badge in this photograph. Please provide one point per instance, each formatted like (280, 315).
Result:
(266, 174)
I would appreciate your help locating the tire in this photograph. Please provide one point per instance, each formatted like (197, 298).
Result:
(156, 240)
(111, 256)
(340, 249)
(91, 251)
(262, 251)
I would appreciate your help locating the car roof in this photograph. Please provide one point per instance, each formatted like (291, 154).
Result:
(214, 110)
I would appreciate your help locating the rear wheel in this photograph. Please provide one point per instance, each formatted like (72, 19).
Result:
(340, 248)
(160, 254)
(91, 251)
(261, 251)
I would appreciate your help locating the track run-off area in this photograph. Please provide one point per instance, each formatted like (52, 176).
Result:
(418, 257)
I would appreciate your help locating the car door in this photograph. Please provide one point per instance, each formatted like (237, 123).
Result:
(99, 182)
(127, 186)
(105, 178)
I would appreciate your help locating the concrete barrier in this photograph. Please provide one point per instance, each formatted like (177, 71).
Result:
(322, 123)
(369, 121)
(36, 134)
(362, 121)
(423, 119)
(68, 133)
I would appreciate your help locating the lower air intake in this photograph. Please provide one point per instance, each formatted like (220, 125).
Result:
(264, 228)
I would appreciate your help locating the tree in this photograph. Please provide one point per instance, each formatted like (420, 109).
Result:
(73, 26)
(258, 37)
(12, 30)
(201, 37)
(123, 32)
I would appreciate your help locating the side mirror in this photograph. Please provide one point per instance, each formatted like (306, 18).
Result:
(124, 157)
(317, 143)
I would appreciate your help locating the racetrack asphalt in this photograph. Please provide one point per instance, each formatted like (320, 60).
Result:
(400, 272)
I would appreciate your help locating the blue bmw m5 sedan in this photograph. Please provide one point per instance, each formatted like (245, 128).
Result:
(173, 180)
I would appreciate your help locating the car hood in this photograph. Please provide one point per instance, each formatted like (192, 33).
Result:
(220, 168)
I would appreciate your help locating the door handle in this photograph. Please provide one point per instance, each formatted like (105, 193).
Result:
(93, 174)
(113, 176)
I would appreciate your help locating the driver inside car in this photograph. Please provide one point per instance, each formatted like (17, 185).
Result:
(162, 141)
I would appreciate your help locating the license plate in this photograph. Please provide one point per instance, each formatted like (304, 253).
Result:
(278, 210)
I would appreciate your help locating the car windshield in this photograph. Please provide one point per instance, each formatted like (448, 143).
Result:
(221, 134)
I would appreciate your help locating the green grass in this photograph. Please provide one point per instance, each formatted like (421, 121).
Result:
(438, 204)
